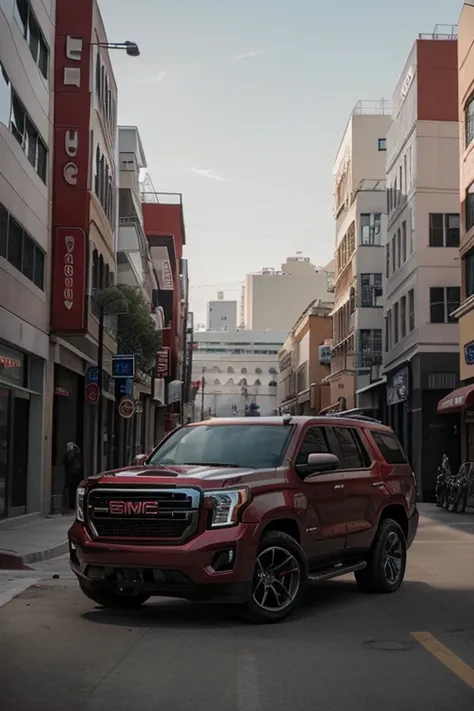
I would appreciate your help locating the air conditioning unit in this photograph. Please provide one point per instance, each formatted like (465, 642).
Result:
(325, 355)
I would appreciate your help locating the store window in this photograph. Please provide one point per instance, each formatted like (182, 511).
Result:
(12, 366)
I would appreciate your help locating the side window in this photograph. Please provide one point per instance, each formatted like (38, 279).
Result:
(390, 448)
(352, 452)
(314, 442)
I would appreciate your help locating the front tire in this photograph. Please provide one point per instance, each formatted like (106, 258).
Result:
(112, 600)
(280, 579)
(386, 563)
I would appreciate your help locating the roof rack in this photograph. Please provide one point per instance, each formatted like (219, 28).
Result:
(354, 414)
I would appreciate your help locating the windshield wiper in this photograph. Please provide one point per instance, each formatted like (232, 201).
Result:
(210, 464)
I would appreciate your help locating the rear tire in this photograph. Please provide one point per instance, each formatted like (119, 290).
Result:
(280, 579)
(112, 600)
(386, 563)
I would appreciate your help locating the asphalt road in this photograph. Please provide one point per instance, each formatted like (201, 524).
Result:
(343, 650)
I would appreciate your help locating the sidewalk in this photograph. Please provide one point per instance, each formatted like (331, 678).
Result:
(37, 540)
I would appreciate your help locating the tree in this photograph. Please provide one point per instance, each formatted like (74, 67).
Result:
(136, 330)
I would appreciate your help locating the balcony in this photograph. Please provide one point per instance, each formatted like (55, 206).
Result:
(131, 236)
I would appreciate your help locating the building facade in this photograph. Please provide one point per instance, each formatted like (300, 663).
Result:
(361, 226)
(457, 407)
(275, 299)
(221, 314)
(84, 237)
(423, 275)
(304, 363)
(238, 370)
(27, 32)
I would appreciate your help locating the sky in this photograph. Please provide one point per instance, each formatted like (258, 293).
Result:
(241, 106)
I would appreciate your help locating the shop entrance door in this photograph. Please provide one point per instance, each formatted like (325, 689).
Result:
(4, 447)
(20, 448)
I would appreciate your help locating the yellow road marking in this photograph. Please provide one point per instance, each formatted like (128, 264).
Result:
(444, 655)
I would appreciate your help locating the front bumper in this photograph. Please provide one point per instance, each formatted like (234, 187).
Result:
(184, 571)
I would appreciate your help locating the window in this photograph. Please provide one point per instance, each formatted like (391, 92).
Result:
(369, 351)
(444, 230)
(31, 31)
(443, 301)
(405, 175)
(314, 442)
(468, 260)
(103, 184)
(230, 369)
(390, 448)
(20, 250)
(403, 316)
(394, 256)
(387, 332)
(469, 120)
(258, 371)
(395, 323)
(257, 382)
(404, 241)
(411, 310)
(352, 453)
(470, 207)
(256, 446)
(28, 137)
(387, 260)
(370, 228)
(399, 247)
(382, 142)
(371, 290)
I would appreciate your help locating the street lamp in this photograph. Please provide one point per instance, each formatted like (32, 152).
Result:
(111, 301)
(131, 48)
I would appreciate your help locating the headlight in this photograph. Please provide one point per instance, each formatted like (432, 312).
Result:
(227, 505)
(80, 499)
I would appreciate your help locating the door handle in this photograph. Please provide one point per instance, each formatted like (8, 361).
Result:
(339, 486)
(378, 483)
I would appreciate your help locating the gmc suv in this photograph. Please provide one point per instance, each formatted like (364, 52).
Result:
(249, 511)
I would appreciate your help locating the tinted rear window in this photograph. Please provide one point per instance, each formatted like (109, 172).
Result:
(390, 447)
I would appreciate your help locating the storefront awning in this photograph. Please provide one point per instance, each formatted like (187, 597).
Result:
(456, 400)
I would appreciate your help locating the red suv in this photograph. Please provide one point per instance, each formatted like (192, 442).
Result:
(249, 511)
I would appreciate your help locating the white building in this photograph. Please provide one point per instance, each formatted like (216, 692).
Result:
(361, 227)
(221, 314)
(239, 368)
(274, 300)
(27, 35)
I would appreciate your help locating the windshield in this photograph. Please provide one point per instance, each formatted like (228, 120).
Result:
(255, 446)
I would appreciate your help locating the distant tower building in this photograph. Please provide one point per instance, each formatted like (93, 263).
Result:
(221, 314)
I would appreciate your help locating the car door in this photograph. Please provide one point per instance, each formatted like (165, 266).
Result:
(362, 486)
(325, 522)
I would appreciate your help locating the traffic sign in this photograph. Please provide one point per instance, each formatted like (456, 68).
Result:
(92, 393)
(126, 407)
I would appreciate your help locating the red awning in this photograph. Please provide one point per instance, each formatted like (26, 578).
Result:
(456, 400)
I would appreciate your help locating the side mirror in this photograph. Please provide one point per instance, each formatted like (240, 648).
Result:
(319, 463)
(140, 458)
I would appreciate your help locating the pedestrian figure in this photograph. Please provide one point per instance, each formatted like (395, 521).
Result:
(72, 476)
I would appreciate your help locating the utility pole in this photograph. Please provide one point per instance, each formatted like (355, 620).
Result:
(203, 385)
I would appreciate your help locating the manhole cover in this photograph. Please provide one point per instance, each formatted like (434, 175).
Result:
(389, 645)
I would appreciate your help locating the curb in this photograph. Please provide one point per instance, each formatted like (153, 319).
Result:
(10, 560)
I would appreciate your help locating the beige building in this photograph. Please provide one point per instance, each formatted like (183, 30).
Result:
(304, 362)
(423, 274)
(361, 225)
(457, 406)
(275, 299)
(26, 89)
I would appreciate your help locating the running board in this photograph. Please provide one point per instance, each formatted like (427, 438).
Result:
(336, 571)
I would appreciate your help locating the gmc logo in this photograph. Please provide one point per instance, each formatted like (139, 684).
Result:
(133, 508)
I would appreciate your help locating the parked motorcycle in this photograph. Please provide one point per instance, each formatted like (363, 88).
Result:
(444, 473)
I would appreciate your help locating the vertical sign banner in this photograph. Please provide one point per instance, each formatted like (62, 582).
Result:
(72, 106)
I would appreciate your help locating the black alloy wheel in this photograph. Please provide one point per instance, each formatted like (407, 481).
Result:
(280, 579)
(386, 563)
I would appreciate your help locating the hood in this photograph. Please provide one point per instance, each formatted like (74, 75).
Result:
(175, 476)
